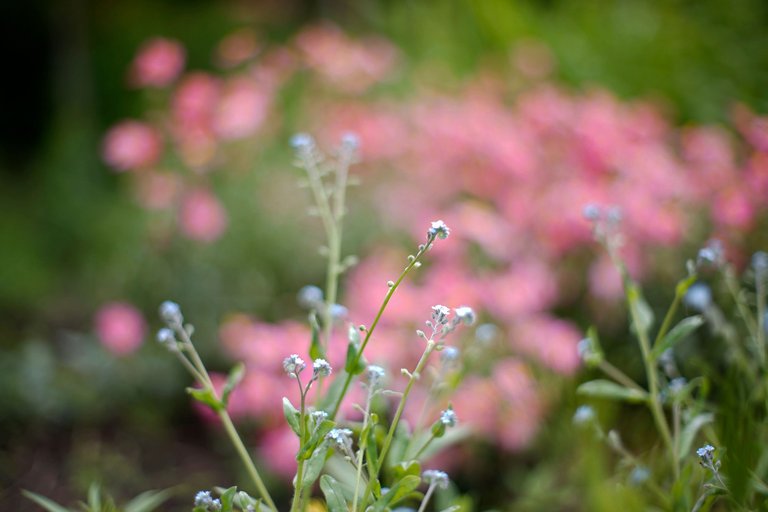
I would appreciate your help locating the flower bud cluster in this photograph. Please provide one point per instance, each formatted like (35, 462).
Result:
(204, 500)
(293, 365)
(436, 478)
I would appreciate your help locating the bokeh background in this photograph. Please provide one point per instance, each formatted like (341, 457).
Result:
(135, 169)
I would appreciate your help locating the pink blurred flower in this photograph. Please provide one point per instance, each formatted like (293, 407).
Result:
(120, 327)
(131, 145)
(202, 217)
(158, 63)
(550, 341)
(242, 109)
(733, 208)
(505, 408)
(275, 447)
(351, 66)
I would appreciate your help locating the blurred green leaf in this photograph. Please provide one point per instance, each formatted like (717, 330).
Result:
(44, 502)
(334, 496)
(236, 375)
(397, 492)
(292, 416)
(206, 396)
(688, 434)
(601, 388)
(148, 501)
(679, 332)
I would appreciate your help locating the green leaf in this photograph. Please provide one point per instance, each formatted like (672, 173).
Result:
(317, 437)
(236, 375)
(206, 396)
(292, 415)
(315, 348)
(683, 329)
(682, 286)
(334, 392)
(688, 435)
(371, 450)
(406, 468)
(334, 496)
(643, 313)
(602, 388)
(44, 502)
(314, 466)
(94, 497)
(353, 335)
(397, 492)
(227, 499)
(148, 501)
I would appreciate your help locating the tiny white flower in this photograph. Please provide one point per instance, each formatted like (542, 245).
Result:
(439, 230)
(293, 365)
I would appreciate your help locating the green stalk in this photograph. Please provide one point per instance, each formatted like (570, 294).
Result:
(680, 290)
(427, 496)
(361, 451)
(760, 290)
(297, 492)
(653, 387)
(246, 458)
(746, 316)
(201, 374)
(618, 375)
(424, 447)
(401, 406)
(369, 332)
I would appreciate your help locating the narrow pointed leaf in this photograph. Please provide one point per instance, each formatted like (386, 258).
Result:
(397, 492)
(601, 388)
(291, 416)
(334, 497)
(147, 501)
(679, 332)
(205, 396)
(44, 502)
(236, 374)
(688, 435)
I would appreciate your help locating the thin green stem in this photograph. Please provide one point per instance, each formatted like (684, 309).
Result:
(741, 307)
(411, 264)
(653, 386)
(297, 492)
(680, 290)
(190, 368)
(401, 406)
(246, 458)
(618, 375)
(361, 451)
(424, 446)
(201, 374)
(427, 496)
(760, 290)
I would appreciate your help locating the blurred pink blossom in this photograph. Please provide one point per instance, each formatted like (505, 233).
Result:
(131, 145)
(550, 341)
(351, 66)
(242, 109)
(202, 217)
(273, 446)
(158, 63)
(120, 327)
